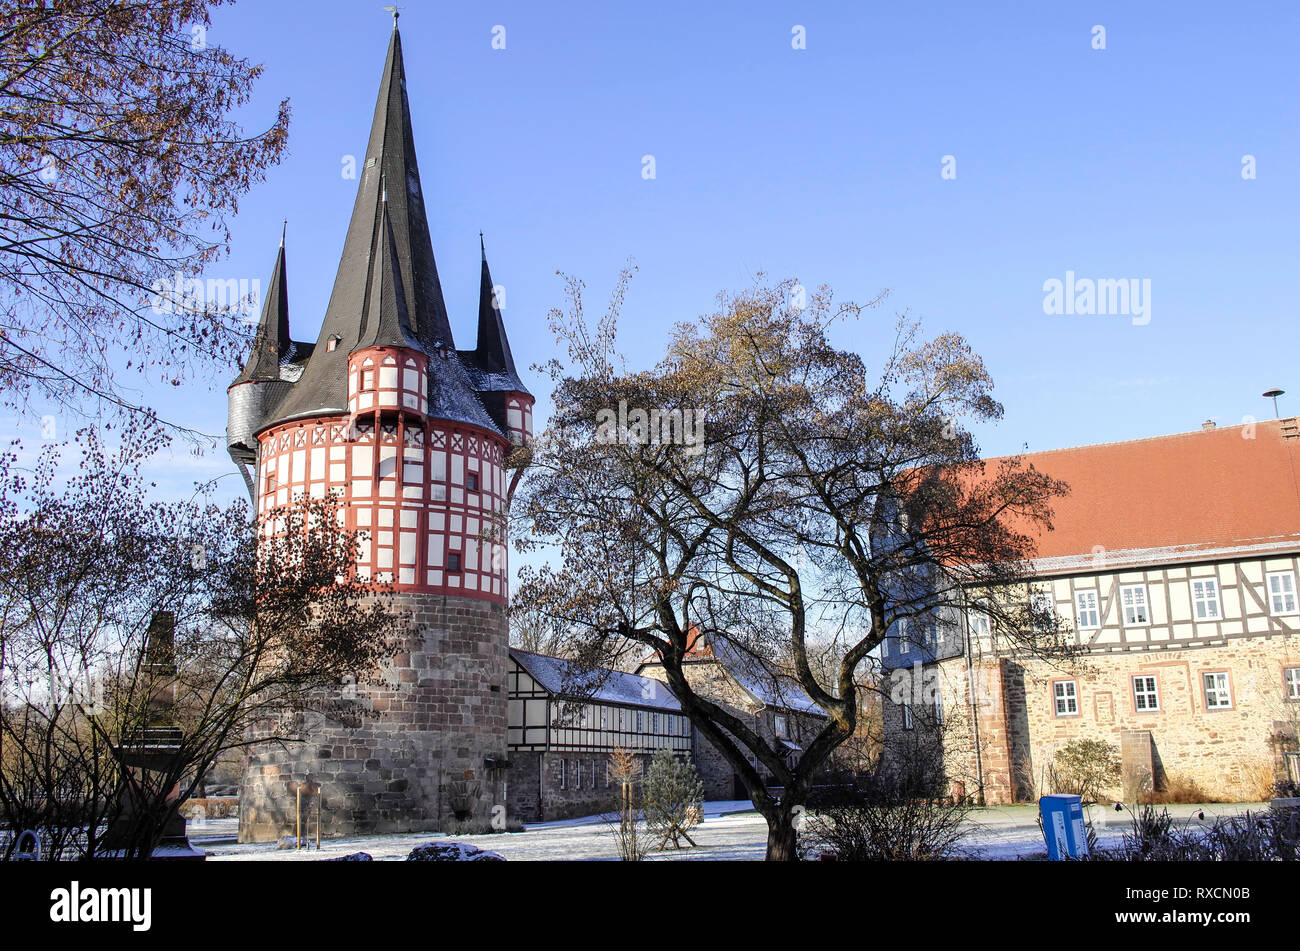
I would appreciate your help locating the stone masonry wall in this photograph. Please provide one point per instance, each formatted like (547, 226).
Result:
(1230, 754)
(394, 758)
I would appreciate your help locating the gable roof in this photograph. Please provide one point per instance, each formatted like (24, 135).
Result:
(563, 678)
(1223, 491)
(747, 672)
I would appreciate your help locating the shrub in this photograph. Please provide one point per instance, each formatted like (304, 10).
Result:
(1251, 837)
(626, 824)
(887, 819)
(1180, 789)
(1085, 768)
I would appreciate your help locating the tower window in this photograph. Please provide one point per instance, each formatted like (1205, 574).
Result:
(367, 379)
(453, 561)
(471, 482)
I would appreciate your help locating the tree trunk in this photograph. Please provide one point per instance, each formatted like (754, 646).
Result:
(781, 837)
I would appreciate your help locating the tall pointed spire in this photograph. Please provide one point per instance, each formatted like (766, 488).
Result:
(384, 318)
(389, 172)
(492, 352)
(272, 339)
(391, 166)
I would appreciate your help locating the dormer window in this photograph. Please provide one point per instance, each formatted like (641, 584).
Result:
(332, 343)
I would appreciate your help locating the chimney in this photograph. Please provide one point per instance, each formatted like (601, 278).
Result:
(1208, 425)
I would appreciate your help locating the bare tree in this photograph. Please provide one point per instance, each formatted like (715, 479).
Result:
(120, 166)
(760, 485)
(108, 721)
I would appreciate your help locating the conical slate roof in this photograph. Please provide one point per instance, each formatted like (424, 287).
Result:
(385, 321)
(387, 283)
(272, 340)
(491, 365)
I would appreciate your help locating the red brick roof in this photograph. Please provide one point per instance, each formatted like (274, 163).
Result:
(1232, 488)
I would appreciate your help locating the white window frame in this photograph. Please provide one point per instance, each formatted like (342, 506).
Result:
(780, 726)
(1207, 600)
(938, 709)
(1216, 686)
(903, 645)
(1284, 596)
(1125, 608)
(1291, 681)
(1083, 612)
(1070, 697)
(1043, 601)
(562, 768)
(1150, 690)
(978, 622)
(908, 721)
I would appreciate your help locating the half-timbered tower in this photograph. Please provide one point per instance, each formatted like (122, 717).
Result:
(411, 436)
(1173, 563)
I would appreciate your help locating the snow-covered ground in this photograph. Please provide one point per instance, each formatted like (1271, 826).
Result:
(729, 831)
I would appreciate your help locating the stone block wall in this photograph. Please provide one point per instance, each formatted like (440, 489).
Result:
(538, 795)
(1229, 753)
(393, 757)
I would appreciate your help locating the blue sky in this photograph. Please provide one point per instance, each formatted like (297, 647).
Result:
(823, 164)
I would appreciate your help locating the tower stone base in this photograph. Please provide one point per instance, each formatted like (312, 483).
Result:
(404, 756)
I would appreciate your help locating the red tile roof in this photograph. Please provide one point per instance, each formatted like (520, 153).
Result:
(1172, 497)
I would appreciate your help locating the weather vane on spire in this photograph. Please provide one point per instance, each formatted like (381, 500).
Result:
(394, 11)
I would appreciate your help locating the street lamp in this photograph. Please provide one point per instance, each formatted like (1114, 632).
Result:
(1274, 392)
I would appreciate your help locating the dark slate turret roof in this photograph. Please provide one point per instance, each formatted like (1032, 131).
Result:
(385, 321)
(271, 344)
(387, 275)
(491, 365)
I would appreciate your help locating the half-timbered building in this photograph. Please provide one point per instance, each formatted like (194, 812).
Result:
(1173, 563)
(564, 723)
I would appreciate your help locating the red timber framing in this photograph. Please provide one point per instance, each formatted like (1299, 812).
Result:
(418, 489)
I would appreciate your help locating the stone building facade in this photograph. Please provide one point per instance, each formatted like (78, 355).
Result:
(1184, 603)
(774, 707)
(404, 756)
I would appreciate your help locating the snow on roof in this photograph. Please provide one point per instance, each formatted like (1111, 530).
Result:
(566, 679)
(772, 689)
